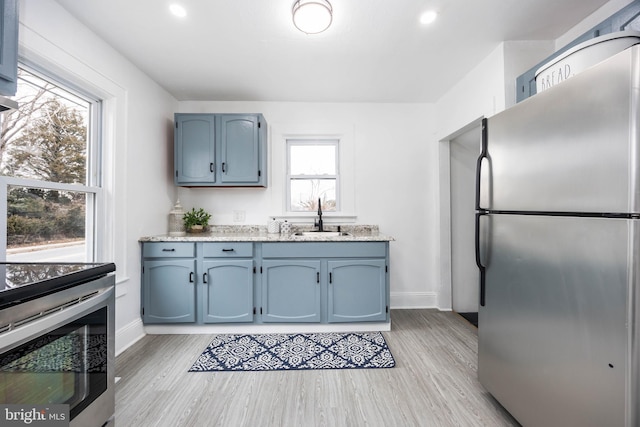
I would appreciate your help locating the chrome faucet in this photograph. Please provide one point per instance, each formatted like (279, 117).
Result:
(319, 222)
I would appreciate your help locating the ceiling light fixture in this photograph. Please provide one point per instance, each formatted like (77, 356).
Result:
(428, 17)
(178, 10)
(312, 16)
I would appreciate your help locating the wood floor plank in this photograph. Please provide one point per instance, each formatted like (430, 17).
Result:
(434, 383)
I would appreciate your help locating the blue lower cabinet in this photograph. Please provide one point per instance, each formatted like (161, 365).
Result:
(357, 290)
(291, 291)
(228, 291)
(217, 282)
(169, 291)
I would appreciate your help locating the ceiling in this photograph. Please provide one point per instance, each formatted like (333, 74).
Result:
(374, 51)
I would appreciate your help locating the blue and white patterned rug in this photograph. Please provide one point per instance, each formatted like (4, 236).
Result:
(276, 352)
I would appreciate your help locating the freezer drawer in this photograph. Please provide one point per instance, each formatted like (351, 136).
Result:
(573, 148)
(552, 338)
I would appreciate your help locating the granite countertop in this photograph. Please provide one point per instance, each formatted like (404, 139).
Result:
(256, 233)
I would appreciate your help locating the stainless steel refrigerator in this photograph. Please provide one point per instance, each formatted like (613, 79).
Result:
(558, 247)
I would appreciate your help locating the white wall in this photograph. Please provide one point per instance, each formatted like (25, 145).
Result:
(137, 135)
(490, 87)
(395, 180)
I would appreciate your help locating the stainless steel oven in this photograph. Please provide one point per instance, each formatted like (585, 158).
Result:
(58, 348)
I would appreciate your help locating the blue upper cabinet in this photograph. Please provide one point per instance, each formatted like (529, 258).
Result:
(9, 47)
(240, 149)
(195, 158)
(220, 150)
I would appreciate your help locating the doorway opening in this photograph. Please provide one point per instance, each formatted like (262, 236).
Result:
(463, 148)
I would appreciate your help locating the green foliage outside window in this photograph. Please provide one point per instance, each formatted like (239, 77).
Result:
(45, 140)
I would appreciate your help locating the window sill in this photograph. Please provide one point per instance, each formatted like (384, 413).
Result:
(328, 218)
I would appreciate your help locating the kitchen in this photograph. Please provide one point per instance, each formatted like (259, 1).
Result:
(406, 140)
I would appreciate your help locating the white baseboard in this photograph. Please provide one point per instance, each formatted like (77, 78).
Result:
(128, 335)
(414, 300)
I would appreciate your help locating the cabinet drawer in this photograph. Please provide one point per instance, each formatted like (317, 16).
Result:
(227, 250)
(169, 250)
(324, 250)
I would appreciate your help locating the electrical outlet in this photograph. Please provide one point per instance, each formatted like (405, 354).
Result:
(239, 216)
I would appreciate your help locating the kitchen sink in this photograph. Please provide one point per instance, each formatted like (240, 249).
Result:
(322, 233)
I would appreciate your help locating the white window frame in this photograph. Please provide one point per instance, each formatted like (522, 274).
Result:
(313, 142)
(94, 233)
(279, 134)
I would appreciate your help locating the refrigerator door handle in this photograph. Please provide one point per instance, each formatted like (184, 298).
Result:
(481, 266)
(479, 210)
(483, 155)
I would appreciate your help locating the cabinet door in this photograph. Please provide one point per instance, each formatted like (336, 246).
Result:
(290, 291)
(357, 290)
(195, 160)
(228, 291)
(8, 47)
(169, 291)
(240, 149)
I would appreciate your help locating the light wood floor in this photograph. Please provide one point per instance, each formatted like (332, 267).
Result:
(433, 384)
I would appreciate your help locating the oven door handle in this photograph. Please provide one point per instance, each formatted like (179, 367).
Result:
(42, 325)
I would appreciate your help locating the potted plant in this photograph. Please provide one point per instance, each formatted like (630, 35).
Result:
(196, 221)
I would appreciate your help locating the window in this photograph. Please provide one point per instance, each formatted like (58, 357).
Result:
(312, 174)
(49, 164)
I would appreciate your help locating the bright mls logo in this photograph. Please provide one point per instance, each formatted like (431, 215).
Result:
(34, 415)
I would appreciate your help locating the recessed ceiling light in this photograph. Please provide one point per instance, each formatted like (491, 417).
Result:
(428, 17)
(178, 10)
